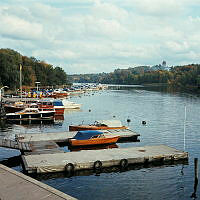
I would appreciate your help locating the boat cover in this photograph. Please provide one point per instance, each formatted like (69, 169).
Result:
(57, 103)
(109, 123)
(85, 135)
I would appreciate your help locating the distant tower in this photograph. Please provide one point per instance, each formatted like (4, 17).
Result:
(164, 64)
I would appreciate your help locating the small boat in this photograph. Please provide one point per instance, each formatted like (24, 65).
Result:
(30, 114)
(70, 105)
(14, 107)
(49, 104)
(99, 125)
(85, 138)
(58, 93)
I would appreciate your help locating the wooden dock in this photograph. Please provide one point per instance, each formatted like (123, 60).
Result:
(15, 185)
(65, 136)
(15, 144)
(58, 162)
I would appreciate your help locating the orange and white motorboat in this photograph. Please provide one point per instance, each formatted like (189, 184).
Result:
(86, 138)
(99, 125)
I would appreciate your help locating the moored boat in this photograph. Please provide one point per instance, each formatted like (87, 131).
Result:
(86, 138)
(98, 125)
(70, 105)
(14, 107)
(30, 114)
(49, 104)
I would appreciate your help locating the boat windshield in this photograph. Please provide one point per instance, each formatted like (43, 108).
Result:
(85, 135)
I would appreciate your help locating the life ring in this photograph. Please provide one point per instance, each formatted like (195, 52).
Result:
(97, 165)
(123, 163)
(69, 167)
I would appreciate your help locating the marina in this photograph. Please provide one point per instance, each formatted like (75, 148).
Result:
(44, 152)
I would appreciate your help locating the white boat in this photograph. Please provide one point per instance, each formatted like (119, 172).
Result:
(70, 105)
(31, 114)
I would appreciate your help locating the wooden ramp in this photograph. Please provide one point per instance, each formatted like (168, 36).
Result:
(15, 185)
(81, 160)
(65, 136)
(23, 146)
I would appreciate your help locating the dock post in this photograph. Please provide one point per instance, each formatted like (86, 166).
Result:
(195, 178)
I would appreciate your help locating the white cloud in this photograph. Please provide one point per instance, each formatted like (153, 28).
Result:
(97, 35)
(15, 27)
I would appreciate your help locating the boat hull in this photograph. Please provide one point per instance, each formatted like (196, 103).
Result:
(58, 110)
(85, 127)
(12, 109)
(94, 141)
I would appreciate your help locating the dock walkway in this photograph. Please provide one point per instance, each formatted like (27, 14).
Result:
(8, 143)
(17, 186)
(65, 136)
(57, 162)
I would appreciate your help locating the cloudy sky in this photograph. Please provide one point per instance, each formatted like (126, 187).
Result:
(90, 36)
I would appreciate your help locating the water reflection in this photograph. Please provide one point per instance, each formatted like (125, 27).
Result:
(163, 110)
(111, 146)
(29, 122)
(115, 169)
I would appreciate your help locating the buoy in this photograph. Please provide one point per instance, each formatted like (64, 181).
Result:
(128, 120)
(97, 165)
(123, 163)
(69, 168)
(114, 116)
(143, 122)
(89, 110)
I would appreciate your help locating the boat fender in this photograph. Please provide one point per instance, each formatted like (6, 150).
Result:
(97, 165)
(123, 163)
(69, 167)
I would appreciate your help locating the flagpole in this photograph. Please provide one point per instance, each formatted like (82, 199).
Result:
(20, 74)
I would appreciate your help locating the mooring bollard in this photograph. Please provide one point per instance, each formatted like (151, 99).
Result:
(195, 177)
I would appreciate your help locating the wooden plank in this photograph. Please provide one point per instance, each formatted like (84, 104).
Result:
(43, 147)
(15, 185)
(24, 146)
(109, 157)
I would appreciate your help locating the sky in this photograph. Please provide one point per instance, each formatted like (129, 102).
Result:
(93, 36)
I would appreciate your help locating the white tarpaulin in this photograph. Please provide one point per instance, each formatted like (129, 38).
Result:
(109, 123)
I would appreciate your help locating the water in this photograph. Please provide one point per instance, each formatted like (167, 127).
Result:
(164, 113)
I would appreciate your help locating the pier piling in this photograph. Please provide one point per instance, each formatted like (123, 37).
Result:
(196, 173)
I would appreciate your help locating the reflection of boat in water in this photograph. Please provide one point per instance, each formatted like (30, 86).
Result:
(85, 138)
(105, 146)
(30, 114)
(59, 117)
(30, 123)
(99, 125)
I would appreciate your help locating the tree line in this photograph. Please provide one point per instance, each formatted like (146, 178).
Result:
(184, 77)
(33, 70)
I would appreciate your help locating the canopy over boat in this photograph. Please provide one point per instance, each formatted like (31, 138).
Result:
(85, 135)
(109, 123)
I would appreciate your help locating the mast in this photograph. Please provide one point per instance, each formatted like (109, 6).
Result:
(20, 78)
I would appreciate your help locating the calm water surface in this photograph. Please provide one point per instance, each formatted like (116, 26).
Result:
(164, 113)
